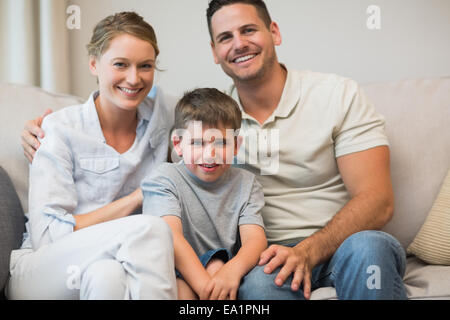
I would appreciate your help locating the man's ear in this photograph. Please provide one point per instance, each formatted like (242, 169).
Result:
(213, 49)
(276, 34)
(93, 65)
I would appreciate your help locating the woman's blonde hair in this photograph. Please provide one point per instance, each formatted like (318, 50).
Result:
(120, 23)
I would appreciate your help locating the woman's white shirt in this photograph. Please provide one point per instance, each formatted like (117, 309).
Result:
(74, 171)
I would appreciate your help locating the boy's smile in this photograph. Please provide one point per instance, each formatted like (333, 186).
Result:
(207, 152)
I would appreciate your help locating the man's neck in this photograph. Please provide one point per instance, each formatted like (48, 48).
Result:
(260, 98)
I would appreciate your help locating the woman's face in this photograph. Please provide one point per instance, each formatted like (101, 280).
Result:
(125, 72)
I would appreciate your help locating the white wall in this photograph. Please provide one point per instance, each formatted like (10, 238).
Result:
(319, 35)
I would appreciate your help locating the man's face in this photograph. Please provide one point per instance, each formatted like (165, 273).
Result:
(242, 44)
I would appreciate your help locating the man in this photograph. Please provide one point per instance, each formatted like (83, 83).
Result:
(333, 179)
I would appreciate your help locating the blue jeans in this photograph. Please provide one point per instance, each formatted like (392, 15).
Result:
(369, 265)
(221, 253)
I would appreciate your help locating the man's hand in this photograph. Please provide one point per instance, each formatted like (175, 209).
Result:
(30, 133)
(295, 261)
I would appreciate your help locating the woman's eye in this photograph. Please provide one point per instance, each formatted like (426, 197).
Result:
(119, 64)
(147, 66)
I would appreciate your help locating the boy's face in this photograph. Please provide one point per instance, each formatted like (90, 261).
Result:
(207, 152)
(242, 44)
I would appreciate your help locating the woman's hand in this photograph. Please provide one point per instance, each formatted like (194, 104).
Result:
(30, 133)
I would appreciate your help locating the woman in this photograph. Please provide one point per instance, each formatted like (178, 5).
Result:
(83, 240)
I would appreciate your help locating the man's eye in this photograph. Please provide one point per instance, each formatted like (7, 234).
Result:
(224, 38)
(248, 30)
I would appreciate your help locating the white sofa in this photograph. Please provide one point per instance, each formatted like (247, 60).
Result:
(417, 116)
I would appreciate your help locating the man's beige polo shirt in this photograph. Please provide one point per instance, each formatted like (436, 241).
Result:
(320, 117)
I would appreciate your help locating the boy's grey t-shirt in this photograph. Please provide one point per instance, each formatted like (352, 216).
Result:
(210, 212)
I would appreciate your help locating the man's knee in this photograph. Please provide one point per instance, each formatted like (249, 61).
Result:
(375, 247)
(369, 265)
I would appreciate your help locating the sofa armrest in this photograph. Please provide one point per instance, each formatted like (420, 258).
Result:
(12, 224)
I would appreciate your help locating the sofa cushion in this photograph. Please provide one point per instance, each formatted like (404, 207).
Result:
(12, 224)
(424, 281)
(416, 113)
(432, 243)
(21, 103)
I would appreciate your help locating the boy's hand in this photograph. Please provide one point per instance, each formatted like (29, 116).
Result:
(206, 291)
(224, 284)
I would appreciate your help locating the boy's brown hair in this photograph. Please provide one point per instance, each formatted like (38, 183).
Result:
(210, 106)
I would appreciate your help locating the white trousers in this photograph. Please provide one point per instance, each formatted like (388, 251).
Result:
(128, 258)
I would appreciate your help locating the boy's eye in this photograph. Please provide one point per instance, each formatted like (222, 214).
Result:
(197, 143)
(220, 142)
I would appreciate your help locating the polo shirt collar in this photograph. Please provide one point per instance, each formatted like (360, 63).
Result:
(289, 99)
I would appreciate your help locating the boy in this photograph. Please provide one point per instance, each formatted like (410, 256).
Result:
(211, 208)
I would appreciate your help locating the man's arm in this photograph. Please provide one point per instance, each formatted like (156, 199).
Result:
(366, 176)
(29, 135)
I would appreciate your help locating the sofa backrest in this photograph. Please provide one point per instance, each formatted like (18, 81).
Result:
(18, 104)
(417, 114)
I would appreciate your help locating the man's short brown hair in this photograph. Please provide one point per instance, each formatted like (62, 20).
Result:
(215, 5)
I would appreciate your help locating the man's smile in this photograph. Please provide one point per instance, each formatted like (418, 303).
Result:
(244, 58)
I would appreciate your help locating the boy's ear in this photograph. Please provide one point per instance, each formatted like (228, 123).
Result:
(176, 140)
